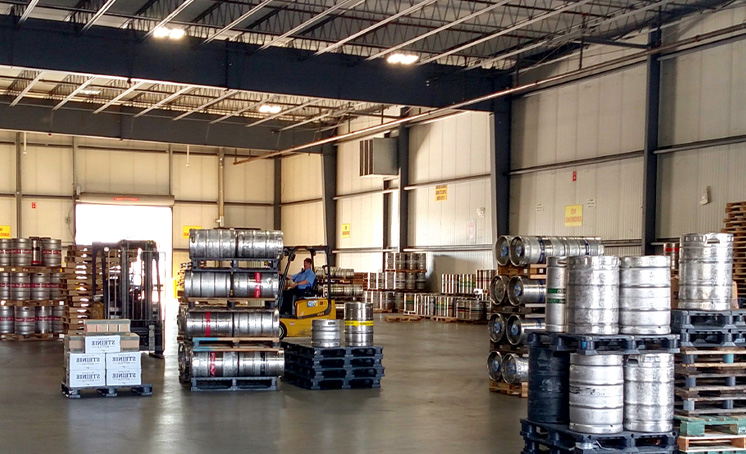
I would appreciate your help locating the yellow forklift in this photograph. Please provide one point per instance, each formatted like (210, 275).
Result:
(299, 314)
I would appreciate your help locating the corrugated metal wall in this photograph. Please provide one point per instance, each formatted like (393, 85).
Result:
(303, 220)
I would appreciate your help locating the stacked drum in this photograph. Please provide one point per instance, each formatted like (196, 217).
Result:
(358, 324)
(404, 276)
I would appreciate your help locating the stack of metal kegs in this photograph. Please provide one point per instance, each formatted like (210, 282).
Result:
(343, 283)
(601, 372)
(394, 289)
(229, 325)
(31, 288)
(462, 297)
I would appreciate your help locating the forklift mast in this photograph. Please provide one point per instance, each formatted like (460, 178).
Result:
(290, 252)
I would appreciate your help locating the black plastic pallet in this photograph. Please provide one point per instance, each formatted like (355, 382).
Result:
(726, 337)
(304, 347)
(107, 391)
(707, 320)
(331, 383)
(586, 344)
(346, 361)
(506, 347)
(234, 384)
(314, 373)
(556, 438)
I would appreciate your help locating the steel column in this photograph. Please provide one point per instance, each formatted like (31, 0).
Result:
(329, 190)
(278, 194)
(500, 166)
(403, 157)
(75, 186)
(19, 185)
(221, 188)
(650, 161)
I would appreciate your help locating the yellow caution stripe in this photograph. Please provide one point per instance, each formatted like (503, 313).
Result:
(358, 322)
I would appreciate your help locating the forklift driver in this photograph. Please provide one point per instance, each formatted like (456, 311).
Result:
(300, 285)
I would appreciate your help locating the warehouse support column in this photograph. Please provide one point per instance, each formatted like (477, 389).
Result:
(73, 219)
(403, 157)
(278, 194)
(650, 162)
(221, 188)
(329, 191)
(19, 185)
(500, 166)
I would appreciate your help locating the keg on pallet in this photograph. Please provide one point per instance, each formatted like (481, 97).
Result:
(521, 290)
(208, 284)
(409, 281)
(43, 324)
(25, 320)
(214, 364)
(388, 280)
(444, 306)
(496, 327)
(400, 280)
(385, 301)
(399, 302)
(6, 251)
(498, 289)
(259, 244)
(419, 260)
(501, 251)
(51, 252)
(256, 323)
(4, 286)
(514, 368)
(36, 257)
(593, 295)
(255, 285)
(409, 302)
(7, 320)
(261, 364)
(389, 259)
(596, 393)
(39, 286)
(358, 324)
(58, 326)
(525, 250)
(649, 392)
(20, 286)
(548, 384)
(21, 255)
(325, 333)
(212, 243)
(343, 290)
(208, 324)
(645, 295)
(519, 327)
(420, 281)
(556, 285)
(705, 271)
(672, 250)
(494, 366)
(237, 364)
(55, 285)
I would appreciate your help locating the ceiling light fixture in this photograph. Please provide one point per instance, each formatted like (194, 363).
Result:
(161, 32)
(91, 92)
(170, 33)
(402, 59)
(270, 108)
(176, 33)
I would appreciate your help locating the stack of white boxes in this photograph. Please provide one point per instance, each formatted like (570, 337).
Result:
(108, 355)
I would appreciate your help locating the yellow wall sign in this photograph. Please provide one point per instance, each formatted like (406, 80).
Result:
(441, 192)
(185, 230)
(345, 230)
(5, 231)
(573, 215)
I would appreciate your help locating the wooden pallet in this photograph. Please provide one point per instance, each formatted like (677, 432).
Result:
(402, 318)
(437, 318)
(508, 389)
(695, 426)
(712, 442)
(382, 311)
(35, 337)
(533, 271)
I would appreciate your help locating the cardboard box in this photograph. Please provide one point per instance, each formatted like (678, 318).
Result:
(125, 360)
(74, 343)
(106, 326)
(103, 344)
(85, 378)
(124, 377)
(85, 361)
(675, 292)
(130, 342)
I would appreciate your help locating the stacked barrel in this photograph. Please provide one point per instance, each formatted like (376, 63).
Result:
(343, 283)
(229, 323)
(31, 288)
(602, 371)
(393, 290)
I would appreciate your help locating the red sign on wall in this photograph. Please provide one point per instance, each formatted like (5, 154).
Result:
(574, 176)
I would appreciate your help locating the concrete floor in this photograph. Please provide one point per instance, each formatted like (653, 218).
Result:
(434, 398)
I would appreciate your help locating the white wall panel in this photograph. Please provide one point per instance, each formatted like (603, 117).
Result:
(250, 182)
(51, 217)
(199, 181)
(303, 224)
(439, 263)
(361, 262)
(8, 168)
(348, 170)
(47, 171)
(123, 172)
(365, 216)
(192, 214)
(301, 177)
(249, 217)
(8, 213)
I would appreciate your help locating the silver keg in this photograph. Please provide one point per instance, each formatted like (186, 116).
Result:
(496, 327)
(494, 365)
(325, 333)
(593, 295)
(514, 369)
(214, 364)
(519, 327)
(25, 320)
(36, 257)
(259, 244)
(645, 295)
(4, 286)
(208, 324)
(255, 285)
(525, 250)
(261, 364)
(649, 392)
(498, 289)
(672, 250)
(444, 306)
(399, 302)
(596, 393)
(556, 294)
(58, 326)
(521, 290)
(39, 286)
(43, 319)
(389, 280)
(477, 310)
(6, 251)
(256, 323)
(20, 286)
(212, 244)
(208, 284)
(21, 255)
(409, 282)
(336, 272)
(358, 324)
(390, 259)
(7, 320)
(420, 281)
(409, 305)
(400, 280)
(501, 251)
(51, 252)
(343, 290)
(401, 261)
(419, 260)
(55, 285)
(705, 271)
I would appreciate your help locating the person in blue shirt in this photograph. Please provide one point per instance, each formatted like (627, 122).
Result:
(300, 285)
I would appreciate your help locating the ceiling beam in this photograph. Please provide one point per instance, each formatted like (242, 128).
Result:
(98, 15)
(325, 115)
(240, 19)
(25, 91)
(280, 114)
(119, 97)
(225, 95)
(245, 109)
(164, 101)
(74, 93)
(169, 17)
(27, 12)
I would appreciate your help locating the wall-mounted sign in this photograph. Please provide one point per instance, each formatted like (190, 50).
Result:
(573, 215)
(5, 231)
(441, 192)
(345, 231)
(539, 207)
(591, 203)
(185, 230)
(471, 230)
